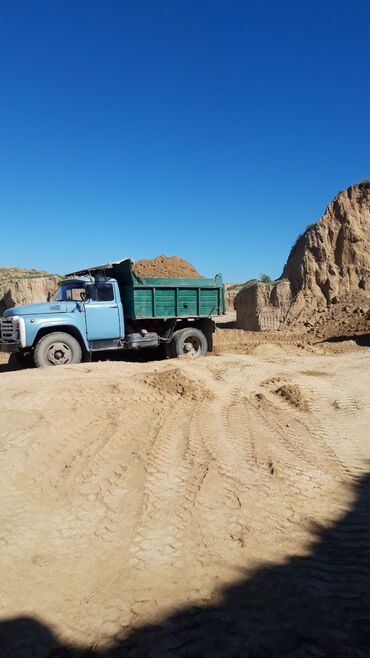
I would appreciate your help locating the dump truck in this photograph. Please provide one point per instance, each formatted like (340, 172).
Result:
(109, 307)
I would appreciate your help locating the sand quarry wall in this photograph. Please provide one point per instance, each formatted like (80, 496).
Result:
(14, 292)
(328, 270)
(263, 306)
(332, 257)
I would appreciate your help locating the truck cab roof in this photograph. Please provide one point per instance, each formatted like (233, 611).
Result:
(85, 279)
(99, 269)
(77, 279)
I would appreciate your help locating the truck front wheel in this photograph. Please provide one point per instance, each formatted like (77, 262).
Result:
(190, 342)
(57, 349)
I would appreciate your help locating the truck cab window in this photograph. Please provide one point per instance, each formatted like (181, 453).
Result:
(70, 292)
(104, 292)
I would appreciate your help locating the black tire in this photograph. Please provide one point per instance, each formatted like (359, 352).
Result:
(57, 349)
(21, 360)
(189, 341)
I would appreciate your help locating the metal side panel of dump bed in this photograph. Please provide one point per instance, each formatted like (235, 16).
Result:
(167, 297)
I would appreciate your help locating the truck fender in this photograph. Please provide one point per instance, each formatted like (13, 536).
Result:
(71, 329)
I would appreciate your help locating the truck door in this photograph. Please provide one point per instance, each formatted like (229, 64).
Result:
(102, 313)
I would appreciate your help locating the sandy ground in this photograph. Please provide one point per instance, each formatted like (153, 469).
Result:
(210, 507)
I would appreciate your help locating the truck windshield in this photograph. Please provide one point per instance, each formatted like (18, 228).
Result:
(70, 292)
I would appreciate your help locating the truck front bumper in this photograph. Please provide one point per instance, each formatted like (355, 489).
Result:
(9, 347)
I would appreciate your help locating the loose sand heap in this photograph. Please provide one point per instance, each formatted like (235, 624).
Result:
(328, 272)
(293, 394)
(211, 507)
(166, 266)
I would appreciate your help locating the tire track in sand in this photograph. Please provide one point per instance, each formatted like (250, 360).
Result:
(174, 472)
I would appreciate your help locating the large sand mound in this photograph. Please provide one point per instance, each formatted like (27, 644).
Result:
(166, 266)
(186, 508)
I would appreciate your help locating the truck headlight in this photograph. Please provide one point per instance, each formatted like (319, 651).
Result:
(19, 329)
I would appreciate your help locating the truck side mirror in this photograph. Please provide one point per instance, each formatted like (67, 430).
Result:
(88, 291)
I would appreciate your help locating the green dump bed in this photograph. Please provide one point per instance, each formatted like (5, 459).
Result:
(168, 298)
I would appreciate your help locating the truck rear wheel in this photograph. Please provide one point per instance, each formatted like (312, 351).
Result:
(189, 342)
(57, 349)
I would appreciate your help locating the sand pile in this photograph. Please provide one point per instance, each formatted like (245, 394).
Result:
(344, 317)
(293, 394)
(166, 266)
(173, 381)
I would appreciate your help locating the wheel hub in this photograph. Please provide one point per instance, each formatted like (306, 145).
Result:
(59, 354)
(191, 346)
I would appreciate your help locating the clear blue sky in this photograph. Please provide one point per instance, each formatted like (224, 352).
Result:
(216, 130)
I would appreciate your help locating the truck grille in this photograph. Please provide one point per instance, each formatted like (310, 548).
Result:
(8, 333)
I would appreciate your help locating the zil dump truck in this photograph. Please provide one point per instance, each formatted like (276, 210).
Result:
(109, 307)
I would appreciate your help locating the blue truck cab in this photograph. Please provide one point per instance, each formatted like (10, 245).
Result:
(108, 307)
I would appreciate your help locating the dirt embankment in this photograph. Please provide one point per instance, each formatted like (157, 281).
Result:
(329, 267)
(22, 286)
(190, 508)
(231, 291)
(263, 306)
(332, 257)
(328, 272)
